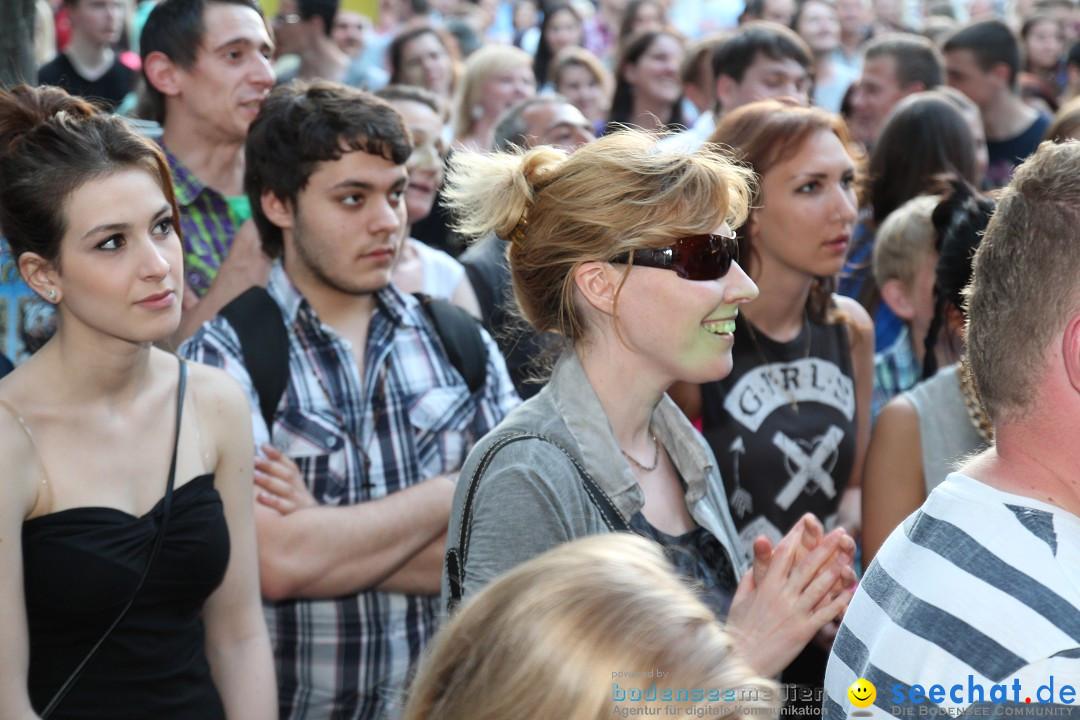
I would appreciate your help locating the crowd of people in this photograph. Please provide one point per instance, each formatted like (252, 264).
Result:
(472, 359)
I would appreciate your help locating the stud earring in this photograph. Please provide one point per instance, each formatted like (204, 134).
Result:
(51, 295)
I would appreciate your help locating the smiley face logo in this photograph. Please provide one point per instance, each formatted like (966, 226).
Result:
(862, 693)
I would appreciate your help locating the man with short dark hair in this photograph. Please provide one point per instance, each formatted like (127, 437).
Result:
(207, 70)
(982, 61)
(759, 61)
(375, 420)
(89, 66)
(975, 599)
(894, 66)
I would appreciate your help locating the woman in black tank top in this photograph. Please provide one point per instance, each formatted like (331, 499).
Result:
(790, 424)
(128, 580)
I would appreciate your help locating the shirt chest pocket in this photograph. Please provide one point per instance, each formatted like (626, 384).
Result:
(319, 447)
(440, 419)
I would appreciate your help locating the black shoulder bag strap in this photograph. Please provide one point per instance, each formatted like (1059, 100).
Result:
(259, 326)
(457, 556)
(166, 508)
(459, 333)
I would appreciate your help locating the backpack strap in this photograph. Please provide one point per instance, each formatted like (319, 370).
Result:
(457, 556)
(264, 342)
(257, 321)
(459, 333)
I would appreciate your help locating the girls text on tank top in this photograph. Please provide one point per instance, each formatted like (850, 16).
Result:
(782, 427)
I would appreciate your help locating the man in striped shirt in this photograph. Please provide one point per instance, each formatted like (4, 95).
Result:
(375, 417)
(975, 599)
(207, 70)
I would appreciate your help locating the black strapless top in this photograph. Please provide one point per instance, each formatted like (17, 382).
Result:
(81, 566)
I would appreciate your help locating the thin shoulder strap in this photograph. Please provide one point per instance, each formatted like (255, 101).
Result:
(26, 429)
(165, 510)
(458, 555)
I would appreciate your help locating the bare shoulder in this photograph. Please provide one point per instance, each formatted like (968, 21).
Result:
(898, 418)
(216, 393)
(21, 474)
(859, 323)
(223, 414)
(854, 311)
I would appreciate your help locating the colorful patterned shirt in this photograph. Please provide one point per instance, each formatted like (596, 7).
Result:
(208, 221)
(410, 419)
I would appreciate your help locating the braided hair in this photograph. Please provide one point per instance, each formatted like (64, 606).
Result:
(959, 221)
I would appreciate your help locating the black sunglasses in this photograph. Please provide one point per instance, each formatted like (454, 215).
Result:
(698, 257)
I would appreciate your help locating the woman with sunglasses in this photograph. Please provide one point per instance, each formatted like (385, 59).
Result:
(789, 425)
(624, 251)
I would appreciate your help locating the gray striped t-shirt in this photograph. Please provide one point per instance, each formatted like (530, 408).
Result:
(977, 588)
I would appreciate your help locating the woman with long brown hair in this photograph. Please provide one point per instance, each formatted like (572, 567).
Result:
(789, 425)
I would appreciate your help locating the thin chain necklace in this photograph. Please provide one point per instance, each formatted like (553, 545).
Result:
(765, 361)
(973, 404)
(656, 455)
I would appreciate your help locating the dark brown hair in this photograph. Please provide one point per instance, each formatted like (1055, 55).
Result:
(542, 63)
(50, 145)
(622, 104)
(301, 125)
(925, 136)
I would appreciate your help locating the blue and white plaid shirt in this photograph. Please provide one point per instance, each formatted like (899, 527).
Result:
(413, 418)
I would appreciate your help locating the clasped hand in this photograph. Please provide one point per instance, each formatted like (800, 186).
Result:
(792, 592)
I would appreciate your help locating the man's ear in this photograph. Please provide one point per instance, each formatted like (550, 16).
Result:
(40, 274)
(1001, 71)
(277, 211)
(1070, 350)
(162, 73)
(597, 283)
(914, 86)
(897, 297)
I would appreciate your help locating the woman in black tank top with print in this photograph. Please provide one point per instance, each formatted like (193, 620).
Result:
(790, 425)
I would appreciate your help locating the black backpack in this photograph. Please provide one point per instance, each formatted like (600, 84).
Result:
(258, 323)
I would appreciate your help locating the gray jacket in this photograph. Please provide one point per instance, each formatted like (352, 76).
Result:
(531, 497)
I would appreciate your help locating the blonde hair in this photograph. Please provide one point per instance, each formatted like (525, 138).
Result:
(1025, 281)
(579, 56)
(479, 66)
(616, 194)
(1066, 122)
(905, 240)
(550, 639)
